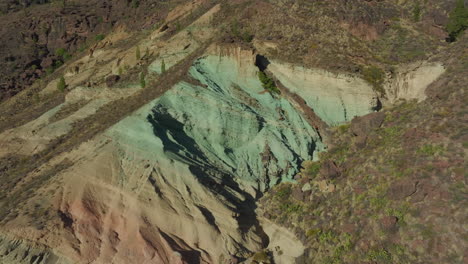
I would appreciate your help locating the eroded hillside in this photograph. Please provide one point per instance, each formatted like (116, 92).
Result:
(241, 132)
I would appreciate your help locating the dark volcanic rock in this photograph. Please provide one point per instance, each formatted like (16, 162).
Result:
(402, 189)
(298, 194)
(112, 79)
(361, 127)
(389, 222)
(329, 170)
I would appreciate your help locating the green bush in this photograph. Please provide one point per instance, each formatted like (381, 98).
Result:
(261, 257)
(417, 12)
(61, 85)
(138, 53)
(313, 169)
(163, 67)
(380, 255)
(268, 83)
(247, 37)
(239, 31)
(283, 192)
(430, 150)
(142, 80)
(135, 3)
(49, 70)
(61, 52)
(99, 37)
(458, 21)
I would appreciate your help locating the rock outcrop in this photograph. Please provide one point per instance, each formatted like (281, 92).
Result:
(336, 98)
(410, 81)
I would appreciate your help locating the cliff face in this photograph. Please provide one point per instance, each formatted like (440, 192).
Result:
(336, 98)
(156, 146)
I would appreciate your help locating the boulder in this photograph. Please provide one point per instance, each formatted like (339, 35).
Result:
(389, 222)
(233, 260)
(47, 62)
(112, 80)
(361, 127)
(306, 187)
(329, 170)
(298, 194)
(402, 189)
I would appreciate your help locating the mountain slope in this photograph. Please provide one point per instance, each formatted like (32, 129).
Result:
(178, 135)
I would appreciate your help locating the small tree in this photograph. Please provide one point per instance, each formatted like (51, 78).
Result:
(163, 66)
(458, 21)
(61, 85)
(142, 80)
(138, 53)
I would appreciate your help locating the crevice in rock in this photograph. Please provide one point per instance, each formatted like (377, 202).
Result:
(261, 62)
(345, 112)
(66, 219)
(153, 183)
(209, 217)
(378, 105)
(190, 256)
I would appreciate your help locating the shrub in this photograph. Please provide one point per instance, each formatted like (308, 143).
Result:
(313, 169)
(239, 31)
(247, 37)
(99, 37)
(61, 85)
(430, 150)
(49, 70)
(58, 64)
(61, 52)
(261, 257)
(142, 80)
(458, 21)
(138, 53)
(82, 47)
(417, 12)
(135, 3)
(163, 66)
(283, 192)
(268, 83)
(375, 76)
(380, 255)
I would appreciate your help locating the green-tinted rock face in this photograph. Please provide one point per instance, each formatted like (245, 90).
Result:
(336, 98)
(228, 125)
